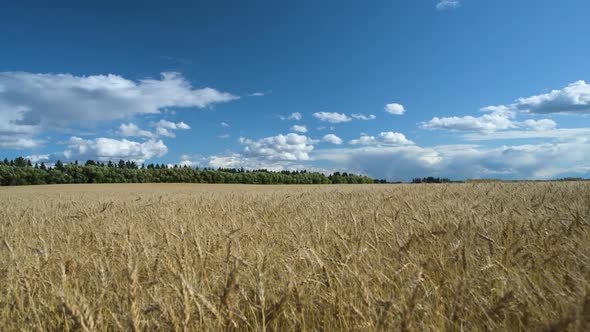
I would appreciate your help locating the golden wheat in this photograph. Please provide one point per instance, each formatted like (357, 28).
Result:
(480, 256)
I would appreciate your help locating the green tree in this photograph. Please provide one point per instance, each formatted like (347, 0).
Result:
(59, 166)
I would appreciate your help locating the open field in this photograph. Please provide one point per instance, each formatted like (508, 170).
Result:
(492, 256)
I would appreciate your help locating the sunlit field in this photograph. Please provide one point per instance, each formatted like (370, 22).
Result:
(449, 257)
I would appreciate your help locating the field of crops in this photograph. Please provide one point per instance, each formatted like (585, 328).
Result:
(489, 256)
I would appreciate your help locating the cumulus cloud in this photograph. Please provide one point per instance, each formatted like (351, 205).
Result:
(11, 121)
(299, 129)
(294, 116)
(38, 158)
(18, 143)
(224, 124)
(238, 160)
(392, 156)
(132, 130)
(561, 134)
(165, 128)
(486, 123)
(290, 147)
(384, 138)
(332, 117)
(162, 128)
(234, 160)
(331, 138)
(533, 161)
(54, 100)
(458, 161)
(31, 103)
(500, 123)
(500, 109)
(363, 116)
(573, 99)
(104, 149)
(448, 4)
(540, 125)
(182, 126)
(500, 118)
(14, 135)
(395, 108)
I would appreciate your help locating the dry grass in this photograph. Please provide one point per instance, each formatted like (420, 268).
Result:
(280, 258)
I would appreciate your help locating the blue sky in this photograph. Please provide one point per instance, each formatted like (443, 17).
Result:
(392, 89)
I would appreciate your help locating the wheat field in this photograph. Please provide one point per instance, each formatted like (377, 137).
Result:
(452, 257)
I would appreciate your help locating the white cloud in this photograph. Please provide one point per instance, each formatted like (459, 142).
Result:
(31, 103)
(55, 100)
(363, 116)
(393, 161)
(165, 128)
(332, 117)
(533, 161)
(132, 130)
(237, 160)
(395, 108)
(322, 128)
(331, 138)
(14, 135)
(294, 116)
(256, 94)
(448, 4)
(104, 149)
(37, 158)
(18, 143)
(160, 131)
(10, 121)
(182, 126)
(224, 124)
(486, 123)
(540, 125)
(384, 138)
(573, 99)
(564, 133)
(501, 109)
(188, 163)
(299, 129)
(290, 147)
(171, 125)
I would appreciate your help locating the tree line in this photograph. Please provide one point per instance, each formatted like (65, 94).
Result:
(431, 179)
(21, 171)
